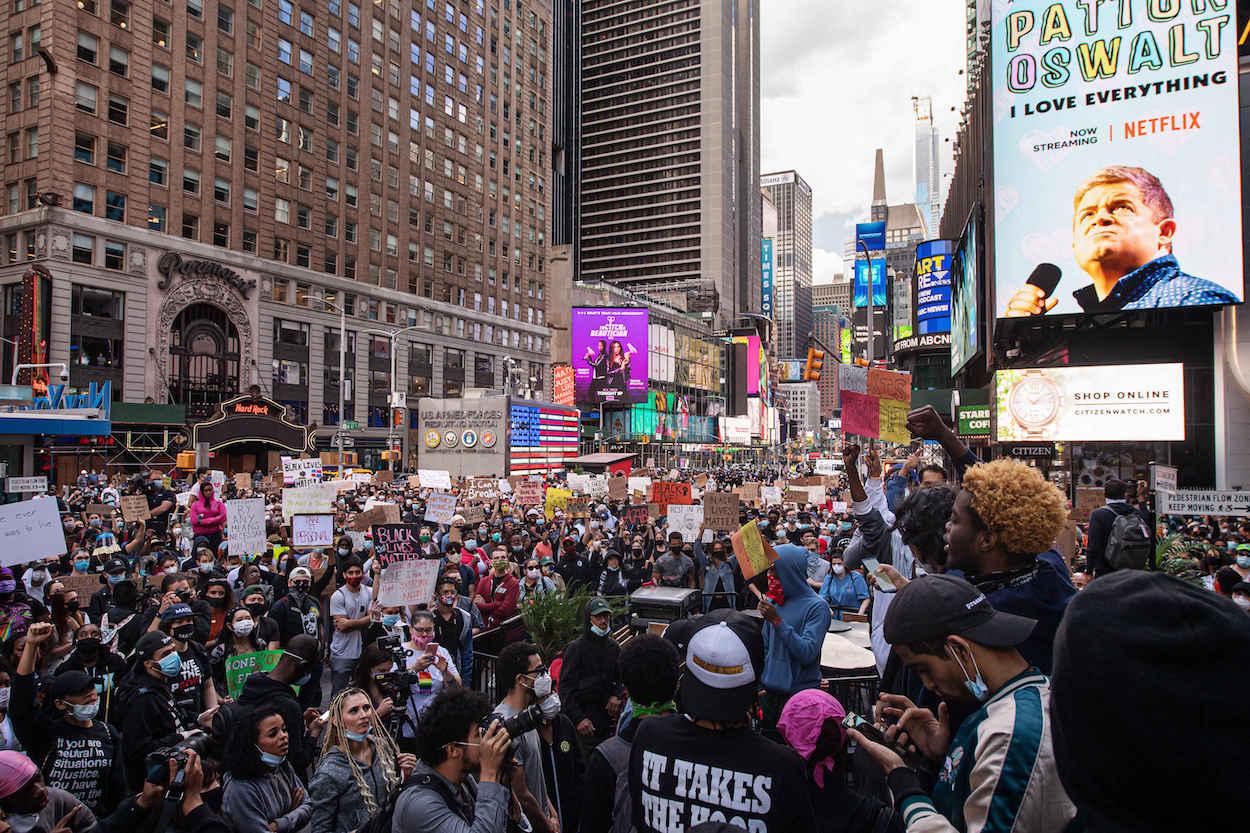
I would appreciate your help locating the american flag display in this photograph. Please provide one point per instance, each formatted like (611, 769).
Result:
(541, 437)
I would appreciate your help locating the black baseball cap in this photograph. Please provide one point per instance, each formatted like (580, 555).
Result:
(935, 606)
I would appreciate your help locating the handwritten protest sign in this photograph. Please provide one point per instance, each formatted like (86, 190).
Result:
(246, 521)
(894, 421)
(106, 511)
(666, 492)
(889, 384)
(434, 479)
(853, 378)
(755, 555)
(440, 507)
(770, 495)
(618, 488)
(598, 486)
(308, 500)
(579, 483)
(84, 585)
(795, 496)
(861, 414)
(474, 515)
(686, 520)
(309, 531)
(636, 514)
(306, 468)
(242, 481)
(639, 484)
(579, 509)
(408, 582)
(384, 476)
(555, 499)
(751, 492)
(878, 407)
(824, 467)
(382, 513)
(720, 511)
(241, 666)
(135, 508)
(396, 542)
(529, 493)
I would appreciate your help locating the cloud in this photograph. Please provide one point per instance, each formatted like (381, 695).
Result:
(826, 265)
(837, 81)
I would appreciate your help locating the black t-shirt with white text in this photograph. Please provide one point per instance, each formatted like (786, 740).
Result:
(81, 762)
(189, 686)
(681, 775)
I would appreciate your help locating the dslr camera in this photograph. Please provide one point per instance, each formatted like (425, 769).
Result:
(517, 725)
(156, 764)
(397, 684)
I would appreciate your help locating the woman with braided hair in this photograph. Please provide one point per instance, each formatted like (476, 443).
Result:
(359, 769)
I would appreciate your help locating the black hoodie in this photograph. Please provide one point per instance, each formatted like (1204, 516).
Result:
(149, 719)
(261, 689)
(588, 677)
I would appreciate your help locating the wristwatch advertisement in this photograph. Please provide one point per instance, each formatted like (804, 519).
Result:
(1033, 403)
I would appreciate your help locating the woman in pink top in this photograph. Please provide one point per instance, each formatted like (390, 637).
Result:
(208, 517)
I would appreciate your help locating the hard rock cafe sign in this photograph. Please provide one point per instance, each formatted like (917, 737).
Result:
(171, 265)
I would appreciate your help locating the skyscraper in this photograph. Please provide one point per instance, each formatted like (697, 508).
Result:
(928, 165)
(792, 260)
(670, 149)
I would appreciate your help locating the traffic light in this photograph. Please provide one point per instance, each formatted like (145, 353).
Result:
(815, 361)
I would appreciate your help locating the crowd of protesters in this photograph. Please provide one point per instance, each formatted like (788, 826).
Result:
(1028, 679)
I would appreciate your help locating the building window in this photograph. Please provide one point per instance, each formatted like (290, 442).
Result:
(84, 198)
(221, 235)
(119, 61)
(114, 255)
(282, 210)
(119, 14)
(119, 110)
(194, 93)
(156, 217)
(86, 97)
(191, 180)
(221, 190)
(160, 32)
(190, 227)
(160, 78)
(160, 125)
(88, 48)
(115, 206)
(84, 148)
(249, 241)
(116, 161)
(82, 248)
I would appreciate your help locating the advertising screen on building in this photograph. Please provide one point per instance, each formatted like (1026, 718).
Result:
(766, 277)
(966, 295)
(609, 354)
(1104, 403)
(904, 323)
(1116, 156)
(859, 291)
(933, 287)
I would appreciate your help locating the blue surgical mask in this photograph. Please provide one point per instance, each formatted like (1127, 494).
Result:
(82, 565)
(356, 736)
(470, 544)
(269, 759)
(171, 665)
(763, 524)
(117, 579)
(598, 631)
(85, 711)
(1243, 561)
(976, 687)
(390, 620)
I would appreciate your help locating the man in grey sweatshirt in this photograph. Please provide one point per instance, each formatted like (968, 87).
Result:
(442, 796)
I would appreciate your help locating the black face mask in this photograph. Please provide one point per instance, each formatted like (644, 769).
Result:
(183, 632)
(184, 595)
(257, 609)
(675, 550)
(89, 645)
(217, 602)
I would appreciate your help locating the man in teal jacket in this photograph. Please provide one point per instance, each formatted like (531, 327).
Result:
(795, 623)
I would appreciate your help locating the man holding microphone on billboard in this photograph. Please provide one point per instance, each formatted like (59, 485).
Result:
(1122, 233)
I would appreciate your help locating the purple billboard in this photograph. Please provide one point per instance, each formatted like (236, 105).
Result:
(609, 355)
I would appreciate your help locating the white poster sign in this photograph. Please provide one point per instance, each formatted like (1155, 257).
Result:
(771, 494)
(311, 531)
(308, 500)
(440, 507)
(824, 467)
(434, 479)
(1201, 502)
(1105, 403)
(19, 485)
(408, 582)
(639, 484)
(598, 486)
(308, 468)
(245, 521)
(1162, 478)
(30, 530)
(579, 483)
(686, 520)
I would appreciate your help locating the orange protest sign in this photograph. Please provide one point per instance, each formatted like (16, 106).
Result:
(755, 555)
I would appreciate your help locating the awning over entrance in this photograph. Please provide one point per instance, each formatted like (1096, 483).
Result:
(252, 419)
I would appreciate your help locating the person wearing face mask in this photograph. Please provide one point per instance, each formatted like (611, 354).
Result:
(574, 566)
(453, 628)
(29, 807)
(207, 515)
(76, 750)
(261, 792)
(590, 677)
(15, 613)
(534, 584)
(1241, 561)
(999, 762)
(523, 677)
(350, 614)
(612, 581)
(149, 716)
(719, 585)
(360, 767)
(240, 637)
(296, 613)
(194, 692)
(844, 589)
(547, 566)
(295, 663)
(101, 664)
(674, 568)
(115, 572)
(217, 595)
(497, 594)
(256, 600)
(8, 736)
(434, 667)
(35, 579)
(205, 568)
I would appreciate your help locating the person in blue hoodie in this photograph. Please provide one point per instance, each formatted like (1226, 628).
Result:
(796, 620)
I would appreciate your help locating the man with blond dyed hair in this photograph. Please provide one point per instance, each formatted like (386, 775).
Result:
(1122, 235)
(999, 537)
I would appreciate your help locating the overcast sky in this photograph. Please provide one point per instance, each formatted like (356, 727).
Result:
(837, 78)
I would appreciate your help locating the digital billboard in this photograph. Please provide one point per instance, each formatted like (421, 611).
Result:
(766, 277)
(1116, 157)
(933, 287)
(1103, 403)
(904, 321)
(966, 295)
(609, 354)
(859, 291)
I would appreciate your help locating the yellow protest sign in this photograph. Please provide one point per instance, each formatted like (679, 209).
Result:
(556, 499)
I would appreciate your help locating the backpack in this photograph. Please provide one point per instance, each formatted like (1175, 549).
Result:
(615, 751)
(1128, 544)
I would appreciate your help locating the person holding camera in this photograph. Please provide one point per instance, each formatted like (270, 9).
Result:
(261, 792)
(999, 762)
(149, 714)
(442, 796)
(76, 752)
(30, 807)
(430, 665)
(182, 807)
(528, 700)
(360, 766)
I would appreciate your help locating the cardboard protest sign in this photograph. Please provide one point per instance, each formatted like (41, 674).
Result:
(135, 508)
(408, 582)
(755, 555)
(83, 585)
(579, 509)
(440, 507)
(242, 481)
(795, 496)
(434, 479)
(382, 513)
(1088, 498)
(666, 492)
(579, 483)
(241, 666)
(618, 488)
(474, 515)
(636, 514)
(384, 476)
(308, 500)
(555, 499)
(751, 492)
(686, 520)
(414, 481)
(312, 531)
(598, 486)
(396, 542)
(528, 493)
(106, 511)
(720, 511)
(245, 520)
